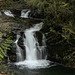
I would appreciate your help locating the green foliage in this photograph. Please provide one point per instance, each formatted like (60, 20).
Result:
(68, 30)
(43, 5)
(37, 3)
(32, 2)
(3, 67)
(5, 46)
(52, 30)
(10, 73)
(9, 3)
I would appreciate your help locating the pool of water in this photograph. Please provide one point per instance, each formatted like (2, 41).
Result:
(54, 70)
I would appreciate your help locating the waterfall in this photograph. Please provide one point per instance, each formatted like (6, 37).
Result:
(35, 54)
(24, 13)
(32, 45)
(18, 50)
(8, 13)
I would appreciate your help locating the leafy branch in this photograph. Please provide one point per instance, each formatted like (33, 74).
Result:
(5, 46)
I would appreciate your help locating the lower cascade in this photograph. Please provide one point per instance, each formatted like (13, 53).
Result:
(35, 53)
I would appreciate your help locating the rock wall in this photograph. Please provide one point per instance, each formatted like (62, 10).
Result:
(13, 26)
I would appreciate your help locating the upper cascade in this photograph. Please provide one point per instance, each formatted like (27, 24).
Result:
(8, 13)
(24, 13)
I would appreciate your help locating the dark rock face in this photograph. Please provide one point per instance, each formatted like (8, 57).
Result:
(38, 35)
(36, 14)
(16, 13)
(12, 55)
(21, 45)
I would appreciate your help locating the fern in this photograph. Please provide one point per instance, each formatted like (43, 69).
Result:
(4, 46)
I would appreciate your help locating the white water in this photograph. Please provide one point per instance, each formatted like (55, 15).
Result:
(35, 54)
(8, 13)
(30, 43)
(34, 64)
(24, 13)
(18, 50)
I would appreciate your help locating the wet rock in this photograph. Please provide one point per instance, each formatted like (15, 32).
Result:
(38, 35)
(17, 13)
(36, 13)
(12, 56)
(20, 43)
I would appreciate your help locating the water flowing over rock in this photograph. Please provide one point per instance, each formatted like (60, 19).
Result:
(16, 13)
(25, 13)
(35, 53)
(19, 52)
(8, 13)
(36, 13)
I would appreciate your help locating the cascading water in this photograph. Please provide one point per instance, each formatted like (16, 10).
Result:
(24, 13)
(35, 54)
(8, 13)
(32, 45)
(18, 50)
